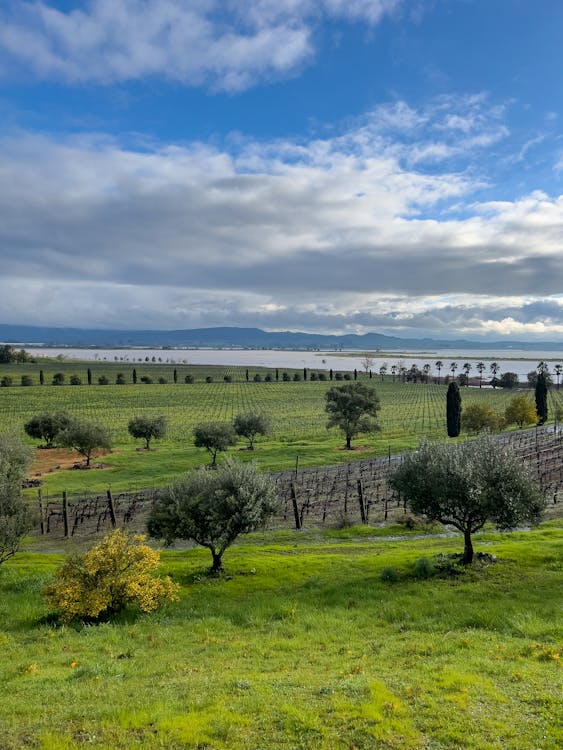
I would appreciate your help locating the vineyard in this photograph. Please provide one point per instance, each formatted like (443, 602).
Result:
(333, 496)
(409, 411)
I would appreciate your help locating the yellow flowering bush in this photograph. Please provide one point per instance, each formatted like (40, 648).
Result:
(116, 572)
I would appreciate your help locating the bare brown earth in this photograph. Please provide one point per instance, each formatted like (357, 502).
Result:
(47, 461)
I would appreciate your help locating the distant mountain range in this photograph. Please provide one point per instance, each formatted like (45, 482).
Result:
(249, 338)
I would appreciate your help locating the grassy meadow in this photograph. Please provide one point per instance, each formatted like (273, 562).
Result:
(408, 412)
(300, 645)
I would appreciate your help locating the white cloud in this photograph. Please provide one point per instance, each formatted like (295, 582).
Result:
(325, 234)
(226, 45)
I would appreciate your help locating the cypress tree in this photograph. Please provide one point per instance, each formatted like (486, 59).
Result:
(41, 377)
(89, 373)
(541, 398)
(304, 373)
(453, 410)
(175, 375)
(134, 376)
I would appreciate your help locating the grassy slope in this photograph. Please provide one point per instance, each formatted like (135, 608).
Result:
(300, 645)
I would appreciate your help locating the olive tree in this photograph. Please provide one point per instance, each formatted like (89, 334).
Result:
(15, 516)
(214, 437)
(85, 438)
(250, 425)
(47, 426)
(213, 508)
(465, 485)
(352, 408)
(146, 428)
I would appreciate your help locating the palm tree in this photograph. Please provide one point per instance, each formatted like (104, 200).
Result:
(383, 371)
(439, 365)
(467, 367)
(480, 366)
(426, 370)
(543, 368)
(403, 372)
(453, 368)
(393, 371)
(494, 368)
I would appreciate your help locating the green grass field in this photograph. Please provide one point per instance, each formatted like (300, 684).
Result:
(300, 645)
(408, 412)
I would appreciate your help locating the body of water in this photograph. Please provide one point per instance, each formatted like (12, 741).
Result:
(520, 362)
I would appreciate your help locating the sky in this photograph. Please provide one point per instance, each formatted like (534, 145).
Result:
(335, 166)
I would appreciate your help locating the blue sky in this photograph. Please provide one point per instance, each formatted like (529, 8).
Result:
(320, 165)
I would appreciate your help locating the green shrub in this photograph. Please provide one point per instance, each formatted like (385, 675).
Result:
(189, 379)
(423, 568)
(390, 575)
(103, 380)
(75, 380)
(26, 380)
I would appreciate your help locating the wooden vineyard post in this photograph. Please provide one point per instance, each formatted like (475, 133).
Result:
(41, 517)
(111, 507)
(65, 513)
(295, 508)
(361, 502)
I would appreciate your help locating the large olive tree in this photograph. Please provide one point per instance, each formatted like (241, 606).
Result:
(47, 426)
(213, 507)
(146, 428)
(85, 437)
(352, 408)
(467, 485)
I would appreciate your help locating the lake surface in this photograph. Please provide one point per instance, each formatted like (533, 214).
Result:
(520, 362)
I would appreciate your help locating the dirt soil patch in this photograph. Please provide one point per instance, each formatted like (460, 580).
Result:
(49, 460)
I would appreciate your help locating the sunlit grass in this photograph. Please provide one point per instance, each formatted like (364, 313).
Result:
(299, 645)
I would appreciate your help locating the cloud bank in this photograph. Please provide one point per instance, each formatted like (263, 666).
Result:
(375, 228)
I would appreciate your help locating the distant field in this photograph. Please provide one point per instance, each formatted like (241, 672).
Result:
(408, 412)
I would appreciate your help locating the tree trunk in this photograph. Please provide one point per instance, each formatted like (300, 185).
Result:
(348, 442)
(468, 548)
(217, 561)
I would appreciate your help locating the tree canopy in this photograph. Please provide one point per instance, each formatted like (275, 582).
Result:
(147, 428)
(213, 508)
(480, 417)
(352, 408)
(15, 516)
(85, 437)
(47, 426)
(520, 410)
(250, 425)
(214, 437)
(465, 485)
